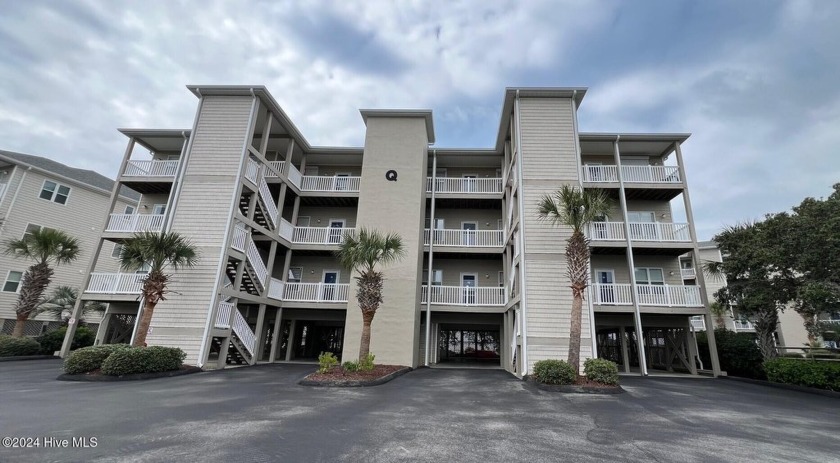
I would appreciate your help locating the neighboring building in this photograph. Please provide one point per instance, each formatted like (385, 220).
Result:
(37, 192)
(267, 210)
(790, 331)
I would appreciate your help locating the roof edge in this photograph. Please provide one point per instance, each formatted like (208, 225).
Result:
(403, 113)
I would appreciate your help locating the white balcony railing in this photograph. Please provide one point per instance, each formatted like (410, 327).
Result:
(116, 283)
(294, 176)
(640, 231)
(268, 202)
(315, 292)
(135, 223)
(464, 185)
(254, 258)
(650, 295)
(743, 325)
(150, 168)
(223, 315)
(252, 170)
(320, 235)
(465, 295)
(466, 238)
(335, 183)
(239, 238)
(698, 323)
(243, 331)
(277, 165)
(688, 273)
(632, 174)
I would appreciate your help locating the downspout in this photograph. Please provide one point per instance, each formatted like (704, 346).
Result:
(579, 154)
(522, 298)
(640, 342)
(431, 252)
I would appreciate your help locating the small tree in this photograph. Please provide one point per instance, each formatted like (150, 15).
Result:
(157, 251)
(719, 311)
(362, 254)
(61, 301)
(575, 208)
(47, 247)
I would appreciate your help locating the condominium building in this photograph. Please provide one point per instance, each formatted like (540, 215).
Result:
(35, 193)
(483, 279)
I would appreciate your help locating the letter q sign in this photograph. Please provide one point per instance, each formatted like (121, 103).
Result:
(391, 175)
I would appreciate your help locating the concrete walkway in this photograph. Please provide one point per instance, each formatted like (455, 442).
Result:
(261, 414)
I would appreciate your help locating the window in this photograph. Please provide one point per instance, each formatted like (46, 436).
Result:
(129, 210)
(12, 282)
(117, 251)
(649, 276)
(32, 228)
(437, 277)
(52, 191)
(159, 209)
(501, 279)
(295, 274)
(303, 221)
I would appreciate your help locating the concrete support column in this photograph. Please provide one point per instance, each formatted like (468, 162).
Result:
(625, 355)
(290, 344)
(275, 336)
(223, 353)
(260, 335)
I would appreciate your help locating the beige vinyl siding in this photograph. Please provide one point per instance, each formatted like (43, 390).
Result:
(618, 264)
(452, 218)
(12, 180)
(453, 268)
(324, 214)
(147, 203)
(460, 171)
(329, 171)
(82, 217)
(312, 269)
(548, 161)
(202, 215)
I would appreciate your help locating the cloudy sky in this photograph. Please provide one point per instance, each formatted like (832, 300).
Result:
(756, 82)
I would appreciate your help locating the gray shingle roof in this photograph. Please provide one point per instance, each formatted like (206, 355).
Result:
(85, 176)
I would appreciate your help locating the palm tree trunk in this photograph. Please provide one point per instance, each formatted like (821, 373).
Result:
(575, 331)
(32, 287)
(765, 326)
(145, 322)
(364, 345)
(720, 322)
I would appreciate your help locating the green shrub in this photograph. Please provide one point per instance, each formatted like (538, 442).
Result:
(811, 373)
(554, 372)
(366, 364)
(51, 341)
(15, 347)
(738, 353)
(143, 360)
(90, 358)
(601, 370)
(351, 366)
(326, 361)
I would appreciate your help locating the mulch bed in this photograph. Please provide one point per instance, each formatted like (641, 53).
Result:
(96, 375)
(339, 377)
(582, 385)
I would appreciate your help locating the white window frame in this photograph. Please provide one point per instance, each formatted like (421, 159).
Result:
(604, 270)
(6, 281)
(159, 209)
(324, 275)
(117, 250)
(435, 273)
(301, 218)
(129, 210)
(647, 271)
(55, 192)
(292, 273)
(501, 278)
(330, 232)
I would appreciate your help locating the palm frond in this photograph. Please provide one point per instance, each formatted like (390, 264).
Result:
(44, 246)
(573, 207)
(158, 251)
(368, 248)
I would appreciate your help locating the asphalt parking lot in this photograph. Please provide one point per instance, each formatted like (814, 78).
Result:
(260, 414)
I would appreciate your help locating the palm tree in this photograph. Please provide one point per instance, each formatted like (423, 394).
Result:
(575, 208)
(61, 301)
(719, 311)
(362, 253)
(46, 247)
(157, 251)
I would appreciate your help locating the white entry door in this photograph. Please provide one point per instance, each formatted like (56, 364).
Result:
(469, 182)
(642, 225)
(336, 229)
(606, 291)
(468, 283)
(330, 285)
(468, 233)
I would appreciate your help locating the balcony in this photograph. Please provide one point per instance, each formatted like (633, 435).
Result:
(320, 235)
(335, 184)
(150, 168)
(632, 174)
(465, 295)
(464, 185)
(640, 231)
(132, 223)
(466, 238)
(308, 292)
(116, 283)
(688, 273)
(647, 295)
